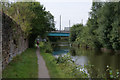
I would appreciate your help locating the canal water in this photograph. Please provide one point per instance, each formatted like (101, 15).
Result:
(98, 59)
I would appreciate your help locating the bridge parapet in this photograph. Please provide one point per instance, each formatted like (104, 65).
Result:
(58, 31)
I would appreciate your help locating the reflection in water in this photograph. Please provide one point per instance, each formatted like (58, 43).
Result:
(62, 51)
(80, 60)
(97, 58)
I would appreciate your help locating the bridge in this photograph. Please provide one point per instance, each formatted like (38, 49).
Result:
(59, 34)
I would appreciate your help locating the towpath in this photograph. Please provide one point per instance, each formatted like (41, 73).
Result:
(42, 69)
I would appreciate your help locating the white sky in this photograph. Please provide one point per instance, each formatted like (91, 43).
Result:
(73, 10)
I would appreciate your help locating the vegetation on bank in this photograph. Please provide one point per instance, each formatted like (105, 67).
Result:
(65, 67)
(70, 67)
(22, 66)
(84, 71)
(54, 69)
(102, 29)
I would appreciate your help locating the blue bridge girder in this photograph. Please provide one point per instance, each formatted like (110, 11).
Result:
(58, 34)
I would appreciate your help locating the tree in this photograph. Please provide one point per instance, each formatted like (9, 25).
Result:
(32, 18)
(21, 16)
(103, 27)
(43, 21)
(93, 24)
(74, 31)
(115, 32)
(105, 24)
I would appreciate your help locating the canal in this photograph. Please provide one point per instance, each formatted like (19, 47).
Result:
(99, 60)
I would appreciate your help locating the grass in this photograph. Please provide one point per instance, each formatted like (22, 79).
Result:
(54, 69)
(23, 66)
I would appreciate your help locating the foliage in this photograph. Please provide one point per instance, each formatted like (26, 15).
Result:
(46, 46)
(21, 67)
(109, 25)
(15, 11)
(69, 67)
(84, 71)
(54, 69)
(42, 22)
(111, 74)
(102, 29)
(74, 31)
(41, 44)
(32, 17)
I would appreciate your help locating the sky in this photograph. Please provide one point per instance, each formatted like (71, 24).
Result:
(76, 11)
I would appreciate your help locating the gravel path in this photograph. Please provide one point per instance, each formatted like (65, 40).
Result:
(42, 69)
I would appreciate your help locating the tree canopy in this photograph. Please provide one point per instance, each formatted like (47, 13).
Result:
(32, 17)
(103, 27)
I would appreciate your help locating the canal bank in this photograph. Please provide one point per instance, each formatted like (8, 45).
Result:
(61, 67)
(54, 69)
(98, 60)
(73, 62)
(103, 50)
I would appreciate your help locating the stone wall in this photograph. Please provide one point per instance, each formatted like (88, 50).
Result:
(0, 45)
(13, 40)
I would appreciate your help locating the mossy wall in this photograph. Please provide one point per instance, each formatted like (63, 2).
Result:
(13, 40)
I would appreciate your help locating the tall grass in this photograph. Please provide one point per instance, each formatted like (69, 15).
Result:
(54, 70)
(23, 66)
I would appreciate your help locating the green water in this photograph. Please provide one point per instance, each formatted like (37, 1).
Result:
(98, 59)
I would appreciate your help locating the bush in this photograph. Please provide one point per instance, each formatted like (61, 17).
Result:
(69, 67)
(48, 47)
(87, 71)
(45, 46)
